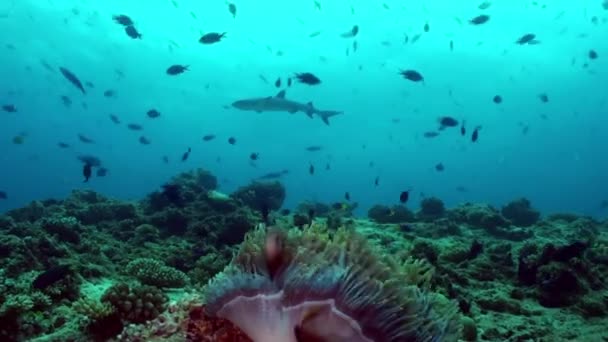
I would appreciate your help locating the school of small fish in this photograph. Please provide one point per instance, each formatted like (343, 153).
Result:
(440, 126)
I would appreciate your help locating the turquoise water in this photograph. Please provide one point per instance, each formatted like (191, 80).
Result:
(560, 164)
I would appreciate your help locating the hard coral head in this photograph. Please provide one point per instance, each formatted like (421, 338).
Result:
(315, 286)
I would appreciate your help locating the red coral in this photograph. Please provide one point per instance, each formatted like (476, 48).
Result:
(201, 327)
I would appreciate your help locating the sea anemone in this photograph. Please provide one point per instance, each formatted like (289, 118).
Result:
(315, 285)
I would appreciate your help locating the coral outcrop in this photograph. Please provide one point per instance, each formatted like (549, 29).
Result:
(520, 213)
(153, 272)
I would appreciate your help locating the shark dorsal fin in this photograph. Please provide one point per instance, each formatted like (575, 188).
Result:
(281, 94)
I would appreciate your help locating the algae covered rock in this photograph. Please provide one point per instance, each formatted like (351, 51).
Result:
(261, 194)
(479, 216)
(520, 213)
(385, 214)
(431, 208)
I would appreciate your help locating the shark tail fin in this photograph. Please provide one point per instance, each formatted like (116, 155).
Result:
(326, 114)
(310, 109)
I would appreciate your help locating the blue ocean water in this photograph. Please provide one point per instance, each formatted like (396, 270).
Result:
(553, 153)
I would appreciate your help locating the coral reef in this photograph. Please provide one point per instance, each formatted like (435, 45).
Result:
(520, 213)
(431, 208)
(395, 214)
(509, 271)
(261, 194)
(136, 304)
(153, 272)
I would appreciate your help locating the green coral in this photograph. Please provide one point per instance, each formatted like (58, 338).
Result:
(136, 304)
(153, 272)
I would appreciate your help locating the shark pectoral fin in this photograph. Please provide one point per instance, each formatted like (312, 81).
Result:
(310, 109)
(281, 94)
(292, 111)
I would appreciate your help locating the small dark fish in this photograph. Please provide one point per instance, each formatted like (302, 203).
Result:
(431, 134)
(480, 19)
(543, 97)
(66, 101)
(277, 83)
(3, 195)
(289, 82)
(451, 45)
(475, 134)
(123, 20)
(314, 148)
(314, 34)
(484, 5)
(109, 93)
(377, 181)
(592, 54)
(232, 140)
(405, 195)
(412, 75)
(51, 276)
(63, 145)
(132, 32)
(463, 130)
(274, 175)
(114, 119)
(135, 127)
(447, 121)
(462, 189)
(351, 33)
(285, 212)
(89, 159)
(254, 156)
(208, 137)
(71, 77)
(439, 167)
(86, 171)
(101, 172)
(327, 167)
(308, 78)
(232, 9)
(177, 69)
(347, 196)
(317, 5)
(211, 38)
(89, 84)
(165, 159)
(311, 169)
(527, 38)
(426, 27)
(186, 154)
(153, 113)
(144, 141)
(497, 99)
(85, 139)
(19, 139)
(9, 108)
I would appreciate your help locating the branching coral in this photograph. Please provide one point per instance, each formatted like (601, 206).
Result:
(315, 284)
(153, 272)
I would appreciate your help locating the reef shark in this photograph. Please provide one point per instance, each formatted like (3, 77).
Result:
(279, 103)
